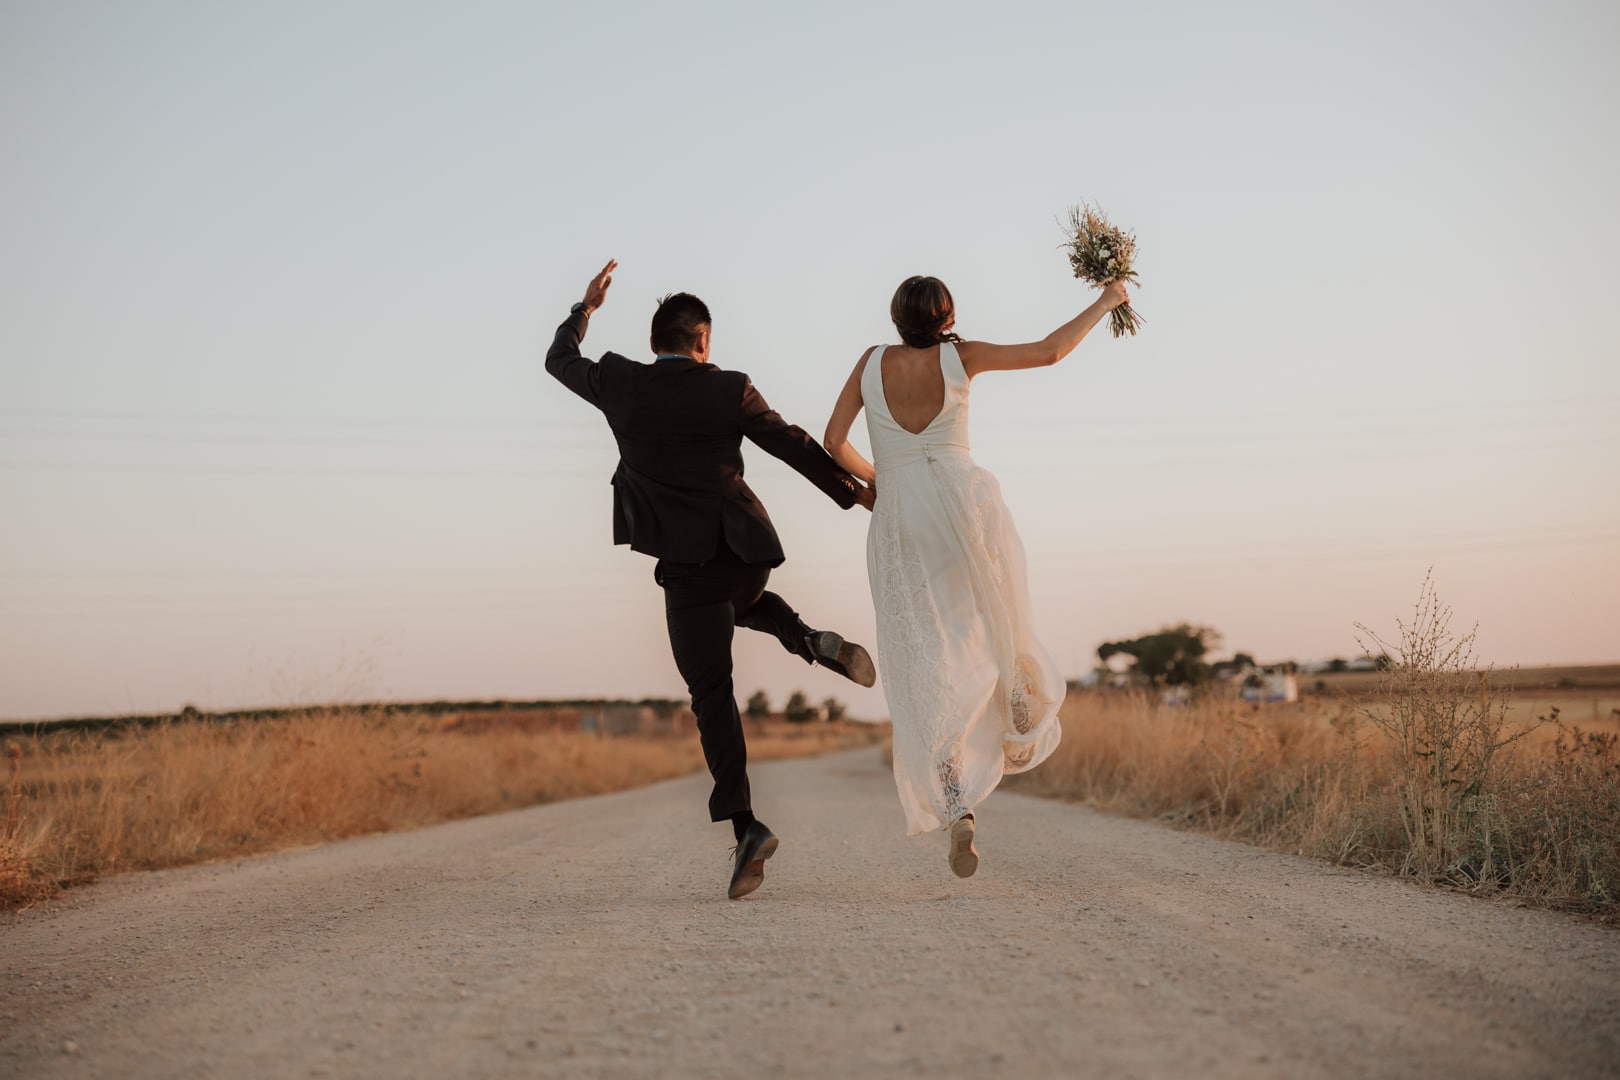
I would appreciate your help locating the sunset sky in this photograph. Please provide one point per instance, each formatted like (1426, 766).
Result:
(276, 281)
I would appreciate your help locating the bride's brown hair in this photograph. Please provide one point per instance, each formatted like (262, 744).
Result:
(923, 312)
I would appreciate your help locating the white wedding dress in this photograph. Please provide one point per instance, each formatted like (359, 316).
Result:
(972, 694)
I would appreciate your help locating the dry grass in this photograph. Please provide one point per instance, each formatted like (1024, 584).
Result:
(1317, 778)
(1429, 771)
(79, 805)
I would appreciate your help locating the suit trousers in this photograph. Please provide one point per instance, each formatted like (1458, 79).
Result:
(703, 604)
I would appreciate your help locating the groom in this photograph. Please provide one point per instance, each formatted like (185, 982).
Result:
(679, 496)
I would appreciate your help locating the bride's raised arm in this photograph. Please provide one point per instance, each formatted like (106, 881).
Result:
(980, 356)
(843, 418)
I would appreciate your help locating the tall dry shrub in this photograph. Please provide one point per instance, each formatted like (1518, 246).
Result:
(1450, 744)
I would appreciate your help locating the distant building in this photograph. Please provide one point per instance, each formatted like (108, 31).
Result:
(622, 718)
(1268, 685)
(616, 718)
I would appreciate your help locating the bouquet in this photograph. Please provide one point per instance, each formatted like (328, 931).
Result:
(1101, 254)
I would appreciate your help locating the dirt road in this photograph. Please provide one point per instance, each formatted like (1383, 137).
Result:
(592, 938)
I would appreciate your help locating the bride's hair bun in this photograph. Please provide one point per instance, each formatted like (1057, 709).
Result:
(923, 312)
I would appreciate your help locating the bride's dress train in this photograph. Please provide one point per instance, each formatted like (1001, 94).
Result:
(972, 694)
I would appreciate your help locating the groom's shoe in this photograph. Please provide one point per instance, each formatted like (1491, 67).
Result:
(851, 661)
(756, 845)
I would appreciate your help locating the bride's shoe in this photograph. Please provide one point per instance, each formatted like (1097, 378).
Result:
(964, 857)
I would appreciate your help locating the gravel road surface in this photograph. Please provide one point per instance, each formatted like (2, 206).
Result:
(593, 939)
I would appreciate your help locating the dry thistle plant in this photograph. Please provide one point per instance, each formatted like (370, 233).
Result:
(1447, 726)
(1101, 254)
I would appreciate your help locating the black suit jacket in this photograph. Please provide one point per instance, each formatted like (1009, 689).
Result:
(679, 486)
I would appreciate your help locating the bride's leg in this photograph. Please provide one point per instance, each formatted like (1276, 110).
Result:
(1026, 704)
(963, 856)
(1026, 700)
(949, 771)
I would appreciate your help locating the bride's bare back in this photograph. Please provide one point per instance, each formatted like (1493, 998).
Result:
(913, 385)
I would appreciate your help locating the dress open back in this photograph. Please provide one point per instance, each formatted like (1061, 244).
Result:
(972, 694)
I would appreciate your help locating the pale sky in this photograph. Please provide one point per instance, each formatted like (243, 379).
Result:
(276, 281)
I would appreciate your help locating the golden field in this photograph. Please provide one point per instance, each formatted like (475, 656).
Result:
(1504, 784)
(79, 804)
(1448, 777)
(1587, 693)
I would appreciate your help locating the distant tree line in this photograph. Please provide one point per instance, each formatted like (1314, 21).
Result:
(1177, 656)
(190, 714)
(798, 708)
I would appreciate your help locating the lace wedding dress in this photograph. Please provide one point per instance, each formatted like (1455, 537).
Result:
(971, 692)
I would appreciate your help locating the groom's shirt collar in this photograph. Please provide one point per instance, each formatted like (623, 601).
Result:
(671, 356)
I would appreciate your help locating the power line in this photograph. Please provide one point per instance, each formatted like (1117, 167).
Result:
(624, 559)
(434, 422)
(1359, 554)
(606, 440)
(1056, 439)
(1316, 435)
(530, 422)
(364, 608)
(328, 471)
(524, 591)
(1281, 461)
(1056, 462)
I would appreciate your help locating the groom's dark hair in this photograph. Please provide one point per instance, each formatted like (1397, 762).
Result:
(676, 323)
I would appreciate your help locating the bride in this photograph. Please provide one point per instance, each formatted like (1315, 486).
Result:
(972, 694)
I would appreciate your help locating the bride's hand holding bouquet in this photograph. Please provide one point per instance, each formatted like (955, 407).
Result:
(1101, 254)
(1115, 297)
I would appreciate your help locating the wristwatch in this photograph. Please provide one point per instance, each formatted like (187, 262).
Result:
(578, 308)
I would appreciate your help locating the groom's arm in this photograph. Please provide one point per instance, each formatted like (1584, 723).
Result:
(564, 362)
(767, 430)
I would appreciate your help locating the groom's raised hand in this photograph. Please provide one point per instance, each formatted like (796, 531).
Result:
(596, 291)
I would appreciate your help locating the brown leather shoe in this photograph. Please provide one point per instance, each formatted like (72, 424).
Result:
(851, 661)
